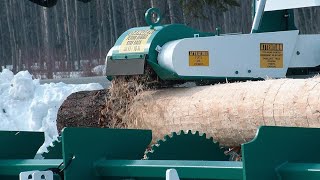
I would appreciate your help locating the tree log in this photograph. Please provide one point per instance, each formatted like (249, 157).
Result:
(230, 113)
(81, 109)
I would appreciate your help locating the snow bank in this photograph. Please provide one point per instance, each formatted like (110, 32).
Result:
(99, 70)
(25, 105)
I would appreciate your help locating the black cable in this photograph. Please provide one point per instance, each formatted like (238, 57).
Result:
(67, 165)
(60, 172)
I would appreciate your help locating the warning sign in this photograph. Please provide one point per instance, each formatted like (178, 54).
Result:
(271, 55)
(135, 41)
(198, 58)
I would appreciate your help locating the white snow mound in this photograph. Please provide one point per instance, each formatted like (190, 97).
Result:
(25, 105)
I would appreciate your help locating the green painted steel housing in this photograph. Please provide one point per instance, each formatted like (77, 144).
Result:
(281, 20)
(161, 35)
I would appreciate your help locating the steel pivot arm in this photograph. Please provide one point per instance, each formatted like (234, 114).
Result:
(258, 15)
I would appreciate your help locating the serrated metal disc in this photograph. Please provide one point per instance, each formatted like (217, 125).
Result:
(187, 146)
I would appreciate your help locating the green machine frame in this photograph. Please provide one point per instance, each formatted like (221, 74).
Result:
(95, 154)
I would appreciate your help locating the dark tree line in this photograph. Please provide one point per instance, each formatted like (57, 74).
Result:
(74, 36)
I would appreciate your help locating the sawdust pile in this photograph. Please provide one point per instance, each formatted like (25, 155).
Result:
(120, 95)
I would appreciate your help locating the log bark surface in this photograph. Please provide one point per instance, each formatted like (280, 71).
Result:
(230, 113)
(81, 109)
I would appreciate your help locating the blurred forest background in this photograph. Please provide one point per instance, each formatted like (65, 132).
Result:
(72, 37)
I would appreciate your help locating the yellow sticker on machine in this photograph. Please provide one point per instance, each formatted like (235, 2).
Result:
(198, 58)
(135, 41)
(271, 55)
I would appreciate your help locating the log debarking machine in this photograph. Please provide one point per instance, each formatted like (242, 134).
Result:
(274, 48)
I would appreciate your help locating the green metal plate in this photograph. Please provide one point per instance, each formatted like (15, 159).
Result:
(20, 144)
(274, 146)
(87, 145)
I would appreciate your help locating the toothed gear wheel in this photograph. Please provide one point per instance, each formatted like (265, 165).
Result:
(187, 146)
(54, 151)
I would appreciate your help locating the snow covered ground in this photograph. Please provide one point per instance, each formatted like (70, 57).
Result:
(27, 105)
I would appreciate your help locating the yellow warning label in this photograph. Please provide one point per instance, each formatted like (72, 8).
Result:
(135, 41)
(271, 55)
(198, 58)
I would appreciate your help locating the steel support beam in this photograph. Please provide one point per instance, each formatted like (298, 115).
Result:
(15, 167)
(158, 168)
(298, 171)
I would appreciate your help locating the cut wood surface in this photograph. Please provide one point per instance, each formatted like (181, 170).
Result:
(230, 113)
